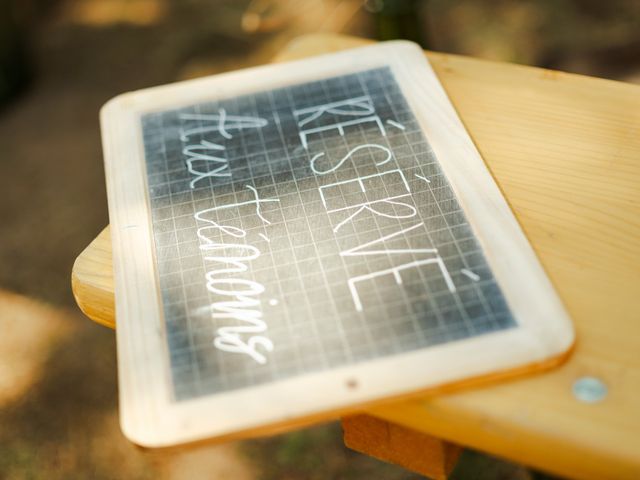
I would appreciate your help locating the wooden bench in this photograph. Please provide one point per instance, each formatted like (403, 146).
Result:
(565, 150)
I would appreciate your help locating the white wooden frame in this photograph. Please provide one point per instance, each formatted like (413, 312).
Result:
(149, 417)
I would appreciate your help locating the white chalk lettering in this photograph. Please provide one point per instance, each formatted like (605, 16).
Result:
(388, 207)
(395, 271)
(223, 124)
(375, 207)
(360, 249)
(358, 106)
(361, 107)
(340, 126)
(380, 249)
(202, 155)
(239, 300)
(396, 124)
(236, 297)
(257, 201)
(385, 194)
(234, 344)
(315, 169)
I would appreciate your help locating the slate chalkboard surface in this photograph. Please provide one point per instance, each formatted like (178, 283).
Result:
(312, 235)
(316, 221)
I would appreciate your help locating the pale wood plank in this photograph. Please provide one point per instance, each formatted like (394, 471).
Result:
(92, 281)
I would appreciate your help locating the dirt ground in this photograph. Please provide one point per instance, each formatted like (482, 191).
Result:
(58, 389)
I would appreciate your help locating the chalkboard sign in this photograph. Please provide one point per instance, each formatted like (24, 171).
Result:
(294, 240)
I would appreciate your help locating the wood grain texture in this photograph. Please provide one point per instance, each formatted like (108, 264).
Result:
(411, 449)
(565, 151)
(92, 281)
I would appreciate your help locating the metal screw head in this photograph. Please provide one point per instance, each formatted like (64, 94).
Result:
(589, 389)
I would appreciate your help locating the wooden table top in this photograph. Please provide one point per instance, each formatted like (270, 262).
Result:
(565, 151)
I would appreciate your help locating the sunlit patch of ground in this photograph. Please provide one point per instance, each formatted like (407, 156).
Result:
(100, 13)
(58, 391)
(58, 406)
(204, 463)
(28, 329)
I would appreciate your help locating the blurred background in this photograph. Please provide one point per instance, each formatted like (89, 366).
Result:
(59, 62)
